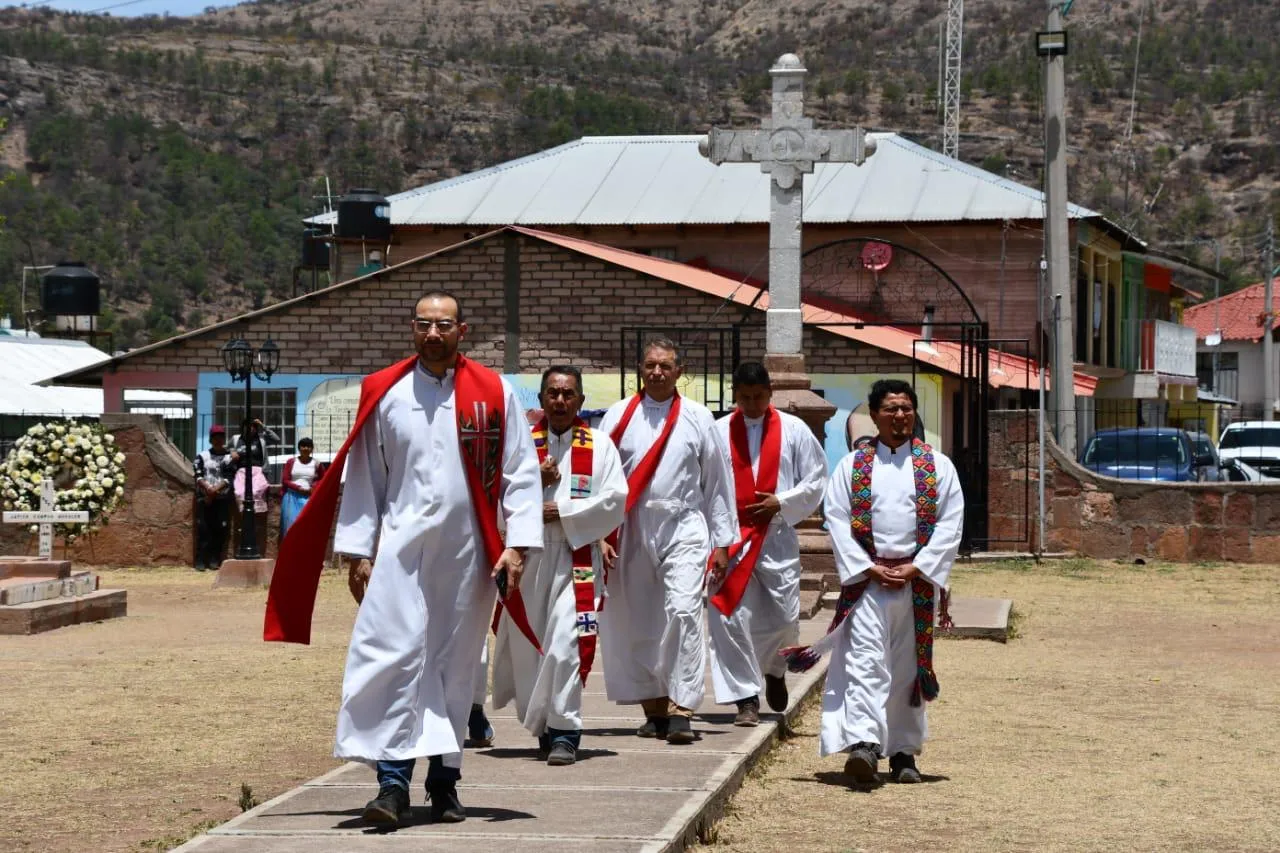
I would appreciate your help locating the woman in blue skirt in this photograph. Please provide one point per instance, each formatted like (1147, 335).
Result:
(301, 475)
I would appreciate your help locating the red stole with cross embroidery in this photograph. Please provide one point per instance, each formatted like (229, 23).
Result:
(480, 405)
(746, 483)
(581, 468)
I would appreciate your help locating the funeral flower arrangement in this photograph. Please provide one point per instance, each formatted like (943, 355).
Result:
(82, 460)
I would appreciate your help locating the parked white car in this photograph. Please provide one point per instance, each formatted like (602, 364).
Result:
(1254, 443)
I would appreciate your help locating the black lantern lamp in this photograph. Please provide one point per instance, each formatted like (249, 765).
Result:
(243, 363)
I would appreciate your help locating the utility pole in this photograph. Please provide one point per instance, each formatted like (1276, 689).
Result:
(951, 81)
(1056, 238)
(1268, 325)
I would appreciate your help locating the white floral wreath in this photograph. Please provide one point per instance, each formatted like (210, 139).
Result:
(84, 463)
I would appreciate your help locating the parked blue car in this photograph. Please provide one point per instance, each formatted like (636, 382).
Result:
(1144, 453)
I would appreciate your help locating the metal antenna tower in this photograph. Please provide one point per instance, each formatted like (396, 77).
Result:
(951, 79)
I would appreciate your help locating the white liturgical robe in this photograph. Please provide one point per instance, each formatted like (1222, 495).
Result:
(415, 648)
(867, 698)
(651, 629)
(548, 691)
(744, 645)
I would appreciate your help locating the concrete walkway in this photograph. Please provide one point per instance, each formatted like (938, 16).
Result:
(625, 795)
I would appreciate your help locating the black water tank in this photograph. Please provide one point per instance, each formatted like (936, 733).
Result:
(315, 251)
(364, 214)
(70, 288)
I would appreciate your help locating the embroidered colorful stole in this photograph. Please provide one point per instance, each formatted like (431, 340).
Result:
(581, 468)
(925, 474)
(746, 483)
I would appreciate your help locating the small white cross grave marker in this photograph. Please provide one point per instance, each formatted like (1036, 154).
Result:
(46, 517)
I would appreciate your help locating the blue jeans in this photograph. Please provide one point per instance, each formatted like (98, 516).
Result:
(401, 772)
(573, 737)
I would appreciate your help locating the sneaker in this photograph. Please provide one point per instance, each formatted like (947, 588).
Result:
(562, 754)
(775, 692)
(479, 732)
(653, 727)
(902, 769)
(388, 808)
(679, 730)
(445, 805)
(863, 763)
(748, 713)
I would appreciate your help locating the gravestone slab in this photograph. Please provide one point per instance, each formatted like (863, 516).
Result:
(239, 574)
(40, 616)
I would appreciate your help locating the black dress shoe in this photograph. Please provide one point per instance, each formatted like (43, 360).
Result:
(653, 727)
(775, 692)
(479, 732)
(902, 769)
(544, 745)
(863, 763)
(387, 809)
(445, 805)
(679, 730)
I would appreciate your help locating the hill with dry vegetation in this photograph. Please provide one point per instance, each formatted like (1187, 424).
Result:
(178, 155)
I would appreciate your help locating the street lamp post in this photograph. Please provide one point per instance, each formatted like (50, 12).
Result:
(243, 363)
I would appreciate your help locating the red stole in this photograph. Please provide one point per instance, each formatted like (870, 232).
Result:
(746, 484)
(479, 402)
(643, 473)
(581, 468)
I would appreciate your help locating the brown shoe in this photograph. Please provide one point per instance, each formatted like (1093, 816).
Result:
(748, 713)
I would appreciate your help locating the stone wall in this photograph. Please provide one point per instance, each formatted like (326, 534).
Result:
(152, 526)
(1104, 517)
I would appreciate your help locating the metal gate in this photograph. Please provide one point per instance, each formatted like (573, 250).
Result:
(890, 285)
(709, 353)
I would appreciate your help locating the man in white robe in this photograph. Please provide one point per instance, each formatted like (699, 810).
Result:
(680, 512)
(745, 644)
(548, 691)
(415, 649)
(872, 705)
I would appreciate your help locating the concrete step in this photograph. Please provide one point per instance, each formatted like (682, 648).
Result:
(33, 567)
(810, 603)
(25, 590)
(972, 618)
(38, 616)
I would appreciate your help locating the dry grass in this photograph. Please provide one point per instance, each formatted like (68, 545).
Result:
(132, 734)
(1137, 710)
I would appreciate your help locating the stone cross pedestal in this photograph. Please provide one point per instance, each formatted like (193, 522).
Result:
(40, 594)
(787, 147)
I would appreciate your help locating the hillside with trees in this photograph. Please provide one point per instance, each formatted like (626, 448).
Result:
(177, 156)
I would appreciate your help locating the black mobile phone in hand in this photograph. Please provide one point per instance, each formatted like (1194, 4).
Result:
(501, 579)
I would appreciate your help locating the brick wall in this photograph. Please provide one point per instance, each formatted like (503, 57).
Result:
(571, 308)
(1108, 518)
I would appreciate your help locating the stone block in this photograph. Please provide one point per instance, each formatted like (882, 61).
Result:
(26, 590)
(152, 506)
(1207, 509)
(1239, 509)
(1171, 544)
(1104, 541)
(1267, 511)
(244, 573)
(1236, 545)
(33, 567)
(40, 616)
(1098, 507)
(1066, 512)
(1204, 543)
(1064, 484)
(1157, 505)
(1265, 548)
(1139, 541)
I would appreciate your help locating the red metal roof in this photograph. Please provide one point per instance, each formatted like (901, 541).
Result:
(1240, 314)
(1004, 370)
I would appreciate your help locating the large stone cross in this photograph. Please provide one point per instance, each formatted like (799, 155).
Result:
(786, 147)
(46, 517)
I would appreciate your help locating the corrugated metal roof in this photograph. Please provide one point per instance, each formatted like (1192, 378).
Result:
(25, 361)
(663, 180)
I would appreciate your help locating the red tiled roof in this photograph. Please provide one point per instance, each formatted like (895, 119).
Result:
(1004, 369)
(1239, 313)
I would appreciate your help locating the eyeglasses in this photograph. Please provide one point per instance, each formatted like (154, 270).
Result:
(444, 327)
